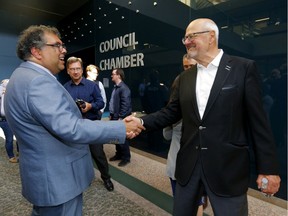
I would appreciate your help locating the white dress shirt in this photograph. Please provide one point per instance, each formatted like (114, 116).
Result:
(205, 80)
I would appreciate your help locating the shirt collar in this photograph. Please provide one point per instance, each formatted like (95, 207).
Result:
(43, 68)
(215, 62)
(82, 82)
(217, 59)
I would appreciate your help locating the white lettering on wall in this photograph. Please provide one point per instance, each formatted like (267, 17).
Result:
(126, 61)
(118, 43)
(134, 60)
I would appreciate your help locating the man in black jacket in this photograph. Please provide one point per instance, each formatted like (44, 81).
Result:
(119, 108)
(220, 103)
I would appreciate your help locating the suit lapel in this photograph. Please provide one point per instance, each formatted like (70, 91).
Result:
(221, 76)
(189, 80)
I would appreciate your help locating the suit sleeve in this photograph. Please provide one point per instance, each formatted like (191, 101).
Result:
(58, 113)
(262, 138)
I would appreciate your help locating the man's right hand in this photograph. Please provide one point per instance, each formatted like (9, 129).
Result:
(133, 126)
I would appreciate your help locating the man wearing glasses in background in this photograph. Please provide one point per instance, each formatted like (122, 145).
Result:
(87, 95)
(55, 161)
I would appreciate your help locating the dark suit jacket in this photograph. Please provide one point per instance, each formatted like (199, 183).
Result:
(220, 140)
(122, 101)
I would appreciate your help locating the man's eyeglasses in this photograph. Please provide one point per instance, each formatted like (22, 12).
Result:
(58, 45)
(191, 36)
(75, 69)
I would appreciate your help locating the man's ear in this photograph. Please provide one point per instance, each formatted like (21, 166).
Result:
(36, 52)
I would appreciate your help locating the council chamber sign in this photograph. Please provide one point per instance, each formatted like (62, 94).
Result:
(124, 61)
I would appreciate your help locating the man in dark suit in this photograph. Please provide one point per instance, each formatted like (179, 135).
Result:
(220, 103)
(120, 107)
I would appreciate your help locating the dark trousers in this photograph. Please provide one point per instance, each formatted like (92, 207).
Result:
(72, 207)
(186, 200)
(123, 151)
(100, 159)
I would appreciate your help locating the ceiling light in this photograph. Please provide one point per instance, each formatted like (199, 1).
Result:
(137, 11)
(262, 19)
(154, 3)
(129, 2)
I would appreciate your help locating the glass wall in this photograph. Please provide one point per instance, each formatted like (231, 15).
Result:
(144, 38)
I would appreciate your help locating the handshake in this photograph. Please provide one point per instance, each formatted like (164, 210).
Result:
(133, 126)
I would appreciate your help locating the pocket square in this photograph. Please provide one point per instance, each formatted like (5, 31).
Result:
(227, 87)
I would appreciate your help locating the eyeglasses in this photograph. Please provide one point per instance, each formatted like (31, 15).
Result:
(58, 45)
(193, 35)
(75, 69)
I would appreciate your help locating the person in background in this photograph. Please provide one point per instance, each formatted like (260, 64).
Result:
(85, 93)
(92, 72)
(221, 106)
(188, 62)
(174, 134)
(120, 107)
(55, 161)
(89, 92)
(5, 127)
